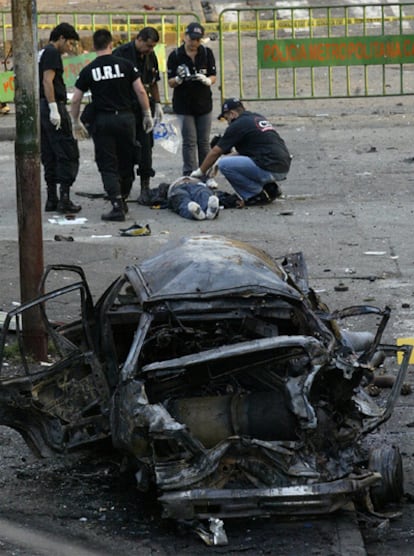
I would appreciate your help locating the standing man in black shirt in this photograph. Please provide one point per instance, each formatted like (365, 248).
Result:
(260, 160)
(111, 80)
(191, 73)
(59, 149)
(141, 53)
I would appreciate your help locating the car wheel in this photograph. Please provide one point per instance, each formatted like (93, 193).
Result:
(387, 461)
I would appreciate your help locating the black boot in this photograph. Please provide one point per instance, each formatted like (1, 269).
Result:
(52, 198)
(145, 197)
(117, 213)
(65, 205)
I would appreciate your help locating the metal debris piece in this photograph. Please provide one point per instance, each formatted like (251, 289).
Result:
(341, 287)
(63, 238)
(214, 535)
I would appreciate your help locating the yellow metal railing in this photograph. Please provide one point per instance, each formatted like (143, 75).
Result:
(246, 34)
(123, 26)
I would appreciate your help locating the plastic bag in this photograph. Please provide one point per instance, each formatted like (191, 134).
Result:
(167, 134)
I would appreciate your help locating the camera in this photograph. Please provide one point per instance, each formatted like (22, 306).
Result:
(184, 72)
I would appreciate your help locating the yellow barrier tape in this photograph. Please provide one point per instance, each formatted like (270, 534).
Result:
(267, 25)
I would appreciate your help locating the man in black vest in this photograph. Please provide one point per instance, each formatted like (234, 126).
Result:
(59, 149)
(111, 81)
(141, 53)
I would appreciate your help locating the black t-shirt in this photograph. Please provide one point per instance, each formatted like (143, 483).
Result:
(192, 97)
(50, 59)
(110, 79)
(146, 64)
(254, 136)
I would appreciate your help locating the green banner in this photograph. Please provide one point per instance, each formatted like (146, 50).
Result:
(330, 51)
(6, 86)
(72, 66)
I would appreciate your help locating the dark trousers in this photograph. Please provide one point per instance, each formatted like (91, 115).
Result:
(59, 149)
(146, 141)
(115, 149)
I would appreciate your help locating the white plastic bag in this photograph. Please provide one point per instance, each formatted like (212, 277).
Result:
(167, 134)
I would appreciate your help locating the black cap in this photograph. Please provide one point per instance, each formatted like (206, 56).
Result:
(229, 104)
(195, 30)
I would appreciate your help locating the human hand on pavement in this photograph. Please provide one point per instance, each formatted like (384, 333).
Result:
(158, 113)
(54, 115)
(196, 173)
(203, 79)
(79, 130)
(147, 121)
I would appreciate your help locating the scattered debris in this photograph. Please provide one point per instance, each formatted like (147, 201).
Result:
(136, 230)
(63, 238)
(341, 287)
(67, 220)
(90, 195)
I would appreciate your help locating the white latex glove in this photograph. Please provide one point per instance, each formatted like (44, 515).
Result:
(158, 113)
(196, 173)
(147, 121)
(203, 79)
(54, 115)
(79, 130)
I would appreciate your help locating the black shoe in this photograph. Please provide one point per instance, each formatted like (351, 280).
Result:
(51, 205)
(273, 190)
(115, 215)
(269, 193)
(145, 198)
(66, 206)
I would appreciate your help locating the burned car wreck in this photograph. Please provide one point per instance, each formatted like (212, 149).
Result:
(221, 375)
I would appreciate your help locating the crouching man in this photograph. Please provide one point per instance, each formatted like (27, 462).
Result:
(260, 160)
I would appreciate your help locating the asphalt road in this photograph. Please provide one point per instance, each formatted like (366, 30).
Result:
(347, 204)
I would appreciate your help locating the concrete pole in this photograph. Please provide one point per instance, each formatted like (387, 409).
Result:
(27, 157)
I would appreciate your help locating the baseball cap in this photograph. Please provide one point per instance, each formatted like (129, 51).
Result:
(229, 104)
(195, 30)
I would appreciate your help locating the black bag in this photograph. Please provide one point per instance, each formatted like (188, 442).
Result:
(88, 116)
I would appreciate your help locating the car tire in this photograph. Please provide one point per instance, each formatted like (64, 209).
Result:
(387, 461)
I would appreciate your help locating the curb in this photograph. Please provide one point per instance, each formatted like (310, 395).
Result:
(8, 126)
(7, 133)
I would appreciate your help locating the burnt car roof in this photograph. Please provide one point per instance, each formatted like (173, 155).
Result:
(227, 266)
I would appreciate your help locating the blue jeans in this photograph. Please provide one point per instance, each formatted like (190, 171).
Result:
(195, 131)
(245, 177)
(181, 195)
